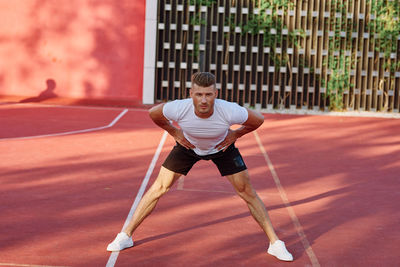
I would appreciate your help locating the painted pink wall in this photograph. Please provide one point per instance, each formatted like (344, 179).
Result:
(85, 48)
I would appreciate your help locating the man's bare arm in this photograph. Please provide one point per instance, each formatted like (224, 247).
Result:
(254, 120)
(156, 114)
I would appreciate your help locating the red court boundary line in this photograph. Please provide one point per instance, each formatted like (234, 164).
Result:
(283, 195)
(114, 255)
(111, 124)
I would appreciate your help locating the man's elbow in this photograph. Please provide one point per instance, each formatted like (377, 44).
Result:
(259, 118)
(152, 114)
(155, 111)
(255, 119)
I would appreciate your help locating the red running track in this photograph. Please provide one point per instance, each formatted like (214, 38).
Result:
(63, 198)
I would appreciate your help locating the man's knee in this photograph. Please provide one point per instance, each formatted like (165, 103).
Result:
(248, 194)
(245, 190)
(158, 189)
(163, 183)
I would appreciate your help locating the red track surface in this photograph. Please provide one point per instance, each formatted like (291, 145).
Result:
(64, 198)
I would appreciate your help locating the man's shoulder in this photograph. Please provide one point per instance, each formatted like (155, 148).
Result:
(175, 109)
(185, 101)
(180, 102)
(226, 104)
(222, 102)
(231, 111)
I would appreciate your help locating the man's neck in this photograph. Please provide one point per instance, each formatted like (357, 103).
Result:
(204, 115)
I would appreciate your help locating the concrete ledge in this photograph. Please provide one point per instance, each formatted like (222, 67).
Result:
(334, 113)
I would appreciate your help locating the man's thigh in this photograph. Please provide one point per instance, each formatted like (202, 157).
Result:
(180, 160)
(230, 161)
(166, 178)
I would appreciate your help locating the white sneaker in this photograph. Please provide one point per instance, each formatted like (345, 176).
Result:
(121, 242)
(278, 249)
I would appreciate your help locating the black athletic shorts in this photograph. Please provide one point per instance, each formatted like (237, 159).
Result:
(181, 160)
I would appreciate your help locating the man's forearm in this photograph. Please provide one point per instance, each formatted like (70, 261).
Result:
(156, 114)
(244, 130)
(255, 119)
(166, 125)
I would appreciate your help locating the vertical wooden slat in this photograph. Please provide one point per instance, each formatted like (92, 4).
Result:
(169, 40)
(232, 81)
(313, 54)
(346, 50)
(225, 57)
(256, 52)
(364, 79)
(183, 65)
(358, 84)
(159, 51)
(320, 6)
(325, 54)
(307, 55)
(220, 52)
(396, 85)
(268, 65)
(242, 55)
(370, 93)
(353, 57)
(286, 49)
(296, 57)
(165, 84)
(279, 75)
(291, 86)
(176, 50)
(375, 72)
(301, 88)
(285, 97)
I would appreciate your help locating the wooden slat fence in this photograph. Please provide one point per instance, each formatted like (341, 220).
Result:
(314, 55)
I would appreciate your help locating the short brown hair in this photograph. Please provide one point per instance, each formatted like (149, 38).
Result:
(203, 79)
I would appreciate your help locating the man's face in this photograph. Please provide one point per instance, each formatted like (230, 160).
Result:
(203, 100)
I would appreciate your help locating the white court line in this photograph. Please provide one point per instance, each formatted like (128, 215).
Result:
(205, 191)
(181, 182)
(282, 193)
(71, 132)
(72, 107)
(27, 265)
(114, 255)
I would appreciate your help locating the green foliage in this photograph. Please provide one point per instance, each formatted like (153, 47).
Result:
(196, 20)
(268, 25)
(265, 22)
(339, 80)
(387, 26)
(338, 63)
(207, 3)
(271, 26)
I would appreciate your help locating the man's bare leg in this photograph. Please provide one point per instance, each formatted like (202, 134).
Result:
(162, 184)
(245, 190)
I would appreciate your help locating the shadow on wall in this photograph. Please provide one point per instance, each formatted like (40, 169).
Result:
(48, 93)
(93, 49)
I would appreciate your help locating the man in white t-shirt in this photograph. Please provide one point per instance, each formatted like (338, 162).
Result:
(204, 134)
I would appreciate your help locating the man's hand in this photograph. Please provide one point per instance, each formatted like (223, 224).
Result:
(156, 114)
(181, 139)
(254, 120)
(230, 138)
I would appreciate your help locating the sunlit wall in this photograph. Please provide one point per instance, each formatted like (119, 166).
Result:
(91, 49)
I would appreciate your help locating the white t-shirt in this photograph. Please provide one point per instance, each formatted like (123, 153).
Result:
(205, 134)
